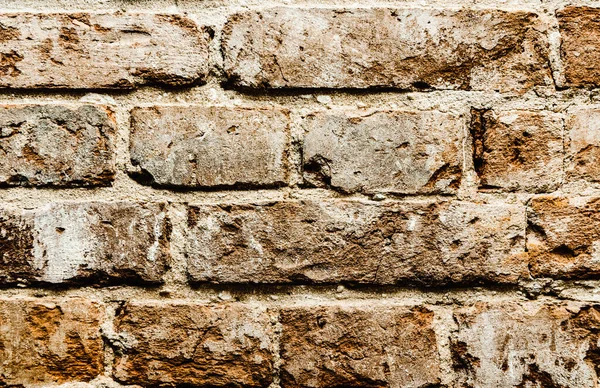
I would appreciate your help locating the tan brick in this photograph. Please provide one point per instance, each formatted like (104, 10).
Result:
(582, 143)
(195, 345)
(418, 242)
(517, 150)
(341, 346)
(526, 345)
(386, 47)
(50, 342)
(563, 237)
(90, 242)
(118, 50)
(54, 145)
(210, 146)
(386, 151)
(580, 46)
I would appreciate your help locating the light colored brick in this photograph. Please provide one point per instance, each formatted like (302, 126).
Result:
(386, 47)
(90, 242)
(43, 342)
(420, 242)
(112, 50)
(386, 151)
(341, 346)
(56, 145)
(563, 237)
(211, 146)
(518, 150)
(514, 344)
(582, 145)
(195, 345)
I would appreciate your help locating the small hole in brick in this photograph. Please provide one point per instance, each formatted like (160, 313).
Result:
(321, 322)
(421, 85)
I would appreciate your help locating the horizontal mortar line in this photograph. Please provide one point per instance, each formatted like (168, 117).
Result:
(215, 83)
(232, 6)
(252, 94)
(41, 196)
(278, 294)
(26, 201)
(416, 101)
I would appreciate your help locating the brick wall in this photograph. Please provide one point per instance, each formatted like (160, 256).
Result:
(301, 193)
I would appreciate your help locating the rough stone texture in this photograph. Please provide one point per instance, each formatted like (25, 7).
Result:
(343, 241)
(563, 237)
(392, 151)
(195, 345)
(52, 145)
(45, 343)
(81, 50)
(95, 242)
(517, 150)
(580, 45)
(210, 146)
(339, 346)
(386, 47)
(582, 145)
(526, 345)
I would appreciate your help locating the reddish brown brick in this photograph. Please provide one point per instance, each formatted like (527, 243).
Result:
(518, 150)
(92, 51)
(563, 237)
(208, 147)
(50, 342)
(580, 45)
(366, 346)
(416, 48)
(56, 145)
(195, 345)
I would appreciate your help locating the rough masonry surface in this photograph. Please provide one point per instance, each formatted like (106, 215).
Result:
(84, 242)
(211, 146)
(195, 345)
(53, 145)
(333, 241)
(93, 51)
(397, 152)
(386, 47)
(299, 194)
(46, 342)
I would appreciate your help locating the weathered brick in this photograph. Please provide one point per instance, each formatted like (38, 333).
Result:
(526, 345)
(210, 146)
(82, 50)
(48, 342)
(54, 145)
(195, 345)
(518, 150)
(345, 241)
(339, 346)
(387, 151)
(386, 47)
(580, 47)
(94, 242)
(582, 145)
(563, 236)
